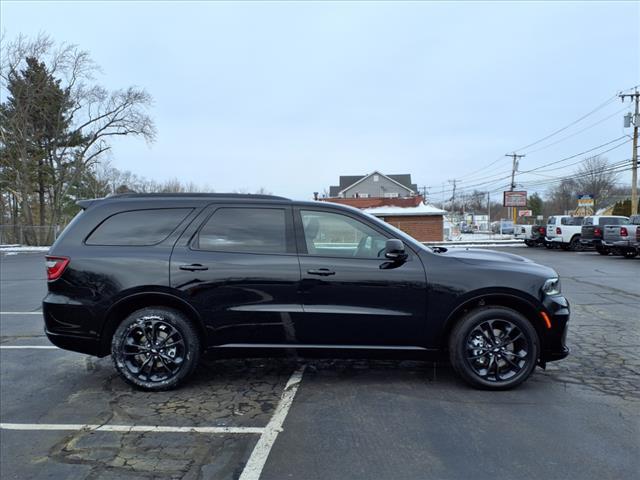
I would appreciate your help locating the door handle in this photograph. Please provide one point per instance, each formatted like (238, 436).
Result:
(323, 272)
(193, 267)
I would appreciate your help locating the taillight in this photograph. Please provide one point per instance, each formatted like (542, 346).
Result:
(623, 232)
(55, 266)
(543, 230)
(558, 231)
(597, 232)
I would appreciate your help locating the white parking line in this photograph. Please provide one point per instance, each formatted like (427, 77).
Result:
(126, 428)
(20, 313)
(18, 347)
(260, 453)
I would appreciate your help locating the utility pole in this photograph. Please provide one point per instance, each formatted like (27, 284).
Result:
(514, 167)
(489, 210)
(453, 196)
(634, 154)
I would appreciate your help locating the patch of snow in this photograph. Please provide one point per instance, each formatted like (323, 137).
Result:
(421, 209)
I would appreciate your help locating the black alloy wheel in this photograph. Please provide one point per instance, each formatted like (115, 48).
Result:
(155, 348)
(494, 348)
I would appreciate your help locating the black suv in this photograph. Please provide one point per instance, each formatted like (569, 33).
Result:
(155, 279)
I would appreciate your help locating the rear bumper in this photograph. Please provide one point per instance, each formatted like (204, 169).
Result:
(591, 242)
(75, 343)
(623, 245)
(70, 325)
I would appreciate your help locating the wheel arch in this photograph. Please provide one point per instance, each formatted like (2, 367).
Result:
(528, 307)
(135, 301)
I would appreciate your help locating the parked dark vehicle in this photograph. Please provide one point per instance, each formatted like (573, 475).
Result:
(592, 231)
(622, 239)
(154, 280)
(533, 235)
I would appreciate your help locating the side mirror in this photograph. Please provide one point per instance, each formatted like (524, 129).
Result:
(394, 250)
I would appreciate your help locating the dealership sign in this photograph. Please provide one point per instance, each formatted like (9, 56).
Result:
(515, 199)
(585, 200)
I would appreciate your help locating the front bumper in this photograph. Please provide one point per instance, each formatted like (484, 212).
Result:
(554, 339)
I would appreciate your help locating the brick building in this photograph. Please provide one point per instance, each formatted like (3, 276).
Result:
(396, 202)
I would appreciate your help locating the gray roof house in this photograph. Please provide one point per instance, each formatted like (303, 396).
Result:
(374, 185)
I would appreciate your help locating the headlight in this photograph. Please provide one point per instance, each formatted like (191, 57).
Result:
(551, 286)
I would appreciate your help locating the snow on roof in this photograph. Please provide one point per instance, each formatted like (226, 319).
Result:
(421, 210)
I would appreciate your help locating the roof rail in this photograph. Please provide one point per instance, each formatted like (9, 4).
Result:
(197, 195)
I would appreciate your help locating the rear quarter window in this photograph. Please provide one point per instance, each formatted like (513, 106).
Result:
(137, 227)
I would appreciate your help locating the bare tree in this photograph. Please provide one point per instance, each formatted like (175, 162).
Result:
(561, 198)
(75, 134)
(596, 177)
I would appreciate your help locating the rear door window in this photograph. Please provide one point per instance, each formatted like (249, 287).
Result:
(247, 230)
(138, 227)
(572, 221)
(613, 221)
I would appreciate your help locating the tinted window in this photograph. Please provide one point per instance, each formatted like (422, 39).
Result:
(613, 221)
(572, 221)
(138, 227)
(551, 221)
(335, 235)
(588, 221)
(254, 230)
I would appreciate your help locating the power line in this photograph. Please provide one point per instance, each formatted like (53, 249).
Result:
(546, 137)
(493, 179)
(552, 134)
(578, 132)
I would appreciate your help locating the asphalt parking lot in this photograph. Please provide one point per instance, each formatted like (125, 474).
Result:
(66, 415)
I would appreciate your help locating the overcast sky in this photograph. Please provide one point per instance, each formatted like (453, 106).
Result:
(288, 96)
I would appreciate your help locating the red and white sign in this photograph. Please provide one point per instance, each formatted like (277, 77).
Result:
(515, 199)
(525, 213)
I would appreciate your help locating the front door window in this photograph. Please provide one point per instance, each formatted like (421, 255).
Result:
(335, 235)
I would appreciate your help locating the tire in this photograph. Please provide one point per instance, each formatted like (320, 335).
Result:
(602, 250)
(176, 354)
(549, 245)
(529, 243)
(479, 329)
(575, 245)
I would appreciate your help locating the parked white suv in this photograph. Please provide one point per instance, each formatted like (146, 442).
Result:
(564, 231)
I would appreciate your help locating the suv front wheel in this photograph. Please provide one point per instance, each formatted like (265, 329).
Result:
(155, 348)
(494, 348)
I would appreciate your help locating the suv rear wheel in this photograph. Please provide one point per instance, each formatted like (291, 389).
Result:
(155, 348)
(494, 348)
